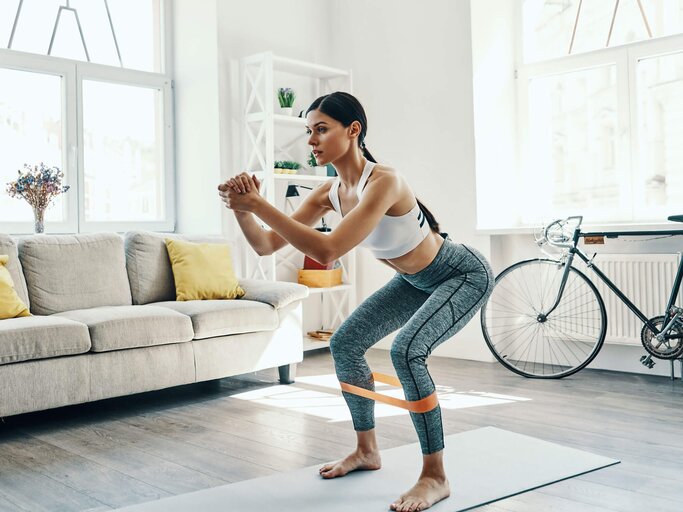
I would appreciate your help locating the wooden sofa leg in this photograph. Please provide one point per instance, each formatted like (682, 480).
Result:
(287, 373)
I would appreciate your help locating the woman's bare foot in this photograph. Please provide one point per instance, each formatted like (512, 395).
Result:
(366, 457)
(358, 460)
(425, 493)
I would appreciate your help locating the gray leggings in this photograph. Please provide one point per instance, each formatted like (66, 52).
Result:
(428, 307)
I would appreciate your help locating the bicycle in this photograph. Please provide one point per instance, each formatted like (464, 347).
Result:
(546, 319)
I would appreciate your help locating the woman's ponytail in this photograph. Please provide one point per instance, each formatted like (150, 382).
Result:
(433, 224)
(366, 153)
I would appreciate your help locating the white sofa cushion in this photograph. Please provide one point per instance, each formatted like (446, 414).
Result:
(8, 246)
(149, 267)
(224, 317)
(276, 293)
(121, 327)
(67, 272)
(40, 337)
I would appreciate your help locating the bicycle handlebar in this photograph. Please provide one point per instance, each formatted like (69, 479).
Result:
(556, 235)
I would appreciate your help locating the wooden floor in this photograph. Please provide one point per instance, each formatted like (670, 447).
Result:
(123, 451)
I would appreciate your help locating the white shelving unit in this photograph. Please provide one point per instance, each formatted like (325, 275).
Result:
(270, 136)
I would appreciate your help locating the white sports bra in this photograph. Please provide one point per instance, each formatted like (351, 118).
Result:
(394, 236)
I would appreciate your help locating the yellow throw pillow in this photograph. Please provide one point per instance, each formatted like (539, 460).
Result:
(11, 306)
(202, 271)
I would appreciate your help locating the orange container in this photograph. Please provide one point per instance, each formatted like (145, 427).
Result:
(320, 278)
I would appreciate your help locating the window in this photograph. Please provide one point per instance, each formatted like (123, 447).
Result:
(122, 153)
(659, 87)
(98, 107)
(551, 27)
(31, 125)
(124, 33)
(600, 128)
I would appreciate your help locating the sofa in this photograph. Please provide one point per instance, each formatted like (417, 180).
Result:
(105, 322)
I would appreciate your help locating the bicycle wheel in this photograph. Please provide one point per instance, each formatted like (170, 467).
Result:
(528, 342)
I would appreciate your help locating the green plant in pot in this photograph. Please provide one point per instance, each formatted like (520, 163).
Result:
(286, 97)
(286, 167)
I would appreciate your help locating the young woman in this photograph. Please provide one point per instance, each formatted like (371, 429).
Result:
(438, 287)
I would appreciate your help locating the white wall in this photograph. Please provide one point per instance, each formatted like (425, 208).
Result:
(297, 29)
(495, 113)
(209, 38)
(196, 96)
(412, 68)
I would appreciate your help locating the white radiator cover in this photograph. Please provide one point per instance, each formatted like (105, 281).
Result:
(646, 279)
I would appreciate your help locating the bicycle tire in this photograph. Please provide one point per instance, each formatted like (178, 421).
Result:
(525, 284)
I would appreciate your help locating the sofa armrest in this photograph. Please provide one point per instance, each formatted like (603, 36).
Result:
(276, 293)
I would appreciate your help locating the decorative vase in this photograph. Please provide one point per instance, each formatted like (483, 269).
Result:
(320, 170)
(39, 218)
(286, 111)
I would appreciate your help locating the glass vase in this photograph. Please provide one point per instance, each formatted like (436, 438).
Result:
(39, 220)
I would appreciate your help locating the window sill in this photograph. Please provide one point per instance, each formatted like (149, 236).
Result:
(585, 228)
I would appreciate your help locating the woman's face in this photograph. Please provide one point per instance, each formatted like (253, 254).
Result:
(328, 138)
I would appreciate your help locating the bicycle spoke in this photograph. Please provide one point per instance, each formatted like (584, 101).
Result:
(523, 347)
(526, 299)
(550, 348)
(506, 309)
(573, 340)
(517, 326)
(519, 335)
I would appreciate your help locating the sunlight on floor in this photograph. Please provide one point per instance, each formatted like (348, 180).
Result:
(331, 405)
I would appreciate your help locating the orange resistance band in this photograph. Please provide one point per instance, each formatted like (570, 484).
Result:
(419, 406)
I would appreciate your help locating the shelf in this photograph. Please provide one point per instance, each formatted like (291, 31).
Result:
(255, 117)
(302, 177)
(272, 136)
(313, 344)
(299, 67)
(294, 177)
(282, 119)
(338, 288)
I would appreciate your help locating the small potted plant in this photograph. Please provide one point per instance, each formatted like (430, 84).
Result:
(318, 170)
(286, 167)
(286, 97)
(38, 186)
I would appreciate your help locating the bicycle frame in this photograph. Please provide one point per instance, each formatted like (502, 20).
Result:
(574, 250)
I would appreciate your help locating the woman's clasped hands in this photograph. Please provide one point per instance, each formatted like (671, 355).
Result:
(241, 192)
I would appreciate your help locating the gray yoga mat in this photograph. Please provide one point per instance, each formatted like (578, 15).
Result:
(483, 465)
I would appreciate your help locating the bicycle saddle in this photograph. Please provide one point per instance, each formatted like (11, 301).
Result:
(676, 218)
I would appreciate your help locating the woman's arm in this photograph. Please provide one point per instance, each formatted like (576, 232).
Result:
(379, 195)
(259, 239)
(265, 242)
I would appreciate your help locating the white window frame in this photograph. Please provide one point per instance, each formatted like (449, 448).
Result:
(21, 61)
(140, 79)
(625, 57)
(73, 72)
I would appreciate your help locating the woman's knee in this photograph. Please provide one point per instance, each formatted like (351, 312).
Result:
(405, 351)
(336, 344)
(343, 344)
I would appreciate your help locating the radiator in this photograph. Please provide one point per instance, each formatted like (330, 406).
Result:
(646, 279)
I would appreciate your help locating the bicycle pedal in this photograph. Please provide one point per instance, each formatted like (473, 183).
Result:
(647, 362)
